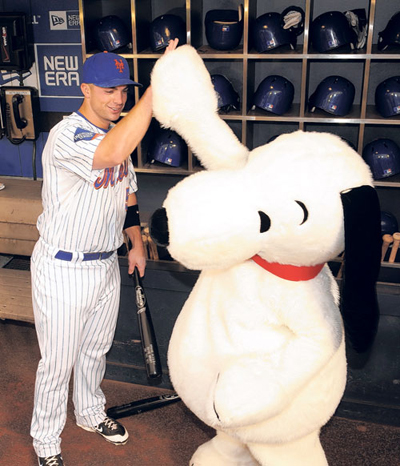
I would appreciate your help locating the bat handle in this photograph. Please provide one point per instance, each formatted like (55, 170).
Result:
(340, 271)
(387, 240)
(395, 247)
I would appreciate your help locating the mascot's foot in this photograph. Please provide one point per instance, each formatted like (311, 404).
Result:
(222, 450)
(306, 451)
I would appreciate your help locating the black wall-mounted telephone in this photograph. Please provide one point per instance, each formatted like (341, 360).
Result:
(20, 105)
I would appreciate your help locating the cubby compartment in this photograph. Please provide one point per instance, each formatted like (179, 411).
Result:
(257, 10)
(93, 11)
(151, 23)
(383, 14)
(380, 70)
(335, 25)
(330, 86)
(198, 22)
(258, 71)
(232, 71)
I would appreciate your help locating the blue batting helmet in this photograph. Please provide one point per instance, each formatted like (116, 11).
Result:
(274, 94)
(224, 28)
(111, 33)
(383, 157)
(167, 148)
(334, 94)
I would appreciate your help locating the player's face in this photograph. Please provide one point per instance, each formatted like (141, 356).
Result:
(107, 103)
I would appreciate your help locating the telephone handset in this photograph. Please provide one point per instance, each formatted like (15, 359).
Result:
(10, 118)
(17, 100)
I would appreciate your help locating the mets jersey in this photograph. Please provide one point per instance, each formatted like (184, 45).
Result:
(83, 209)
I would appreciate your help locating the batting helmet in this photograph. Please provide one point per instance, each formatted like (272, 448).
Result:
(111, 33)
(387, 97)
(165, 28)
(274, 94)
(383, 157)
(228, 98)
(391, 34)
(224, 28)
(334, 94)
(330, 31)
(168, 148)
(270, 31)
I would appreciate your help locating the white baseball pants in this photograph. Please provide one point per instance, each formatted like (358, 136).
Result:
(76, 308)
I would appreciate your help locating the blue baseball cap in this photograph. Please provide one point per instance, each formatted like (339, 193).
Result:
(106, 70)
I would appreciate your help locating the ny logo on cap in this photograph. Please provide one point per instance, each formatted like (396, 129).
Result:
(119, 64)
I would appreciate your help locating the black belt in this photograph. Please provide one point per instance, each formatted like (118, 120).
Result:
(87, 256)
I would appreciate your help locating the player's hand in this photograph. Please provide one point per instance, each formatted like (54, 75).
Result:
(172, 45)
(137, 258)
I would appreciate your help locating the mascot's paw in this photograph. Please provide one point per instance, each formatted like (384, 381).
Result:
(182, 87)
(216, 453)
(245, 394)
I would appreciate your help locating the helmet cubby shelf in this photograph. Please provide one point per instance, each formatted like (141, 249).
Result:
(318, 44)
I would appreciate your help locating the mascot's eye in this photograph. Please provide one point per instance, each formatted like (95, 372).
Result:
(265, 222)
(305, 211)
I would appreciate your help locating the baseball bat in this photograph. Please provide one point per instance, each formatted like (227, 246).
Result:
(340, 271)
(387, 240)
(395, 247)
(141, 406)
(147, 334)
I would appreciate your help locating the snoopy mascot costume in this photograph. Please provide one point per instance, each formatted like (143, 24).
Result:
(258, 351)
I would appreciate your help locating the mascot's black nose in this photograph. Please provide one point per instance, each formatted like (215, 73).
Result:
(265, 222)
(159, 227)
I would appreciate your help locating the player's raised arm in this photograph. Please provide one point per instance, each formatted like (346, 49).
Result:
(124, 137)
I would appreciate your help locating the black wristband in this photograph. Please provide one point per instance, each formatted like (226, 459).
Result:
(132, 218)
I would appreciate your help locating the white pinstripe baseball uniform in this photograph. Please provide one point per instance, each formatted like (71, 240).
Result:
(75, 300)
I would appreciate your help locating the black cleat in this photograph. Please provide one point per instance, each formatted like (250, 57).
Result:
(55, 460)
(111, 430)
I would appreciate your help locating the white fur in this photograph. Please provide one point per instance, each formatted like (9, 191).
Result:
(185, 101)
(258, 357)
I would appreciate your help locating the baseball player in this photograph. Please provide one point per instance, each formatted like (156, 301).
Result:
(88, 196)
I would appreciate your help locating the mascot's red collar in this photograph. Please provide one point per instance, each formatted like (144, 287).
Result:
(289, 272)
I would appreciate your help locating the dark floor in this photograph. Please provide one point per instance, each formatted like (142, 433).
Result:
(167, 436)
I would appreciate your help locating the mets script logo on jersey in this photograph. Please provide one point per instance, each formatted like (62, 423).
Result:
(119, 64)
(110, 177)
(85, 135)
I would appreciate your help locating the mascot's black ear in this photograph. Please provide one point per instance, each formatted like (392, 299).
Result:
(159, 227)
(362, 256)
